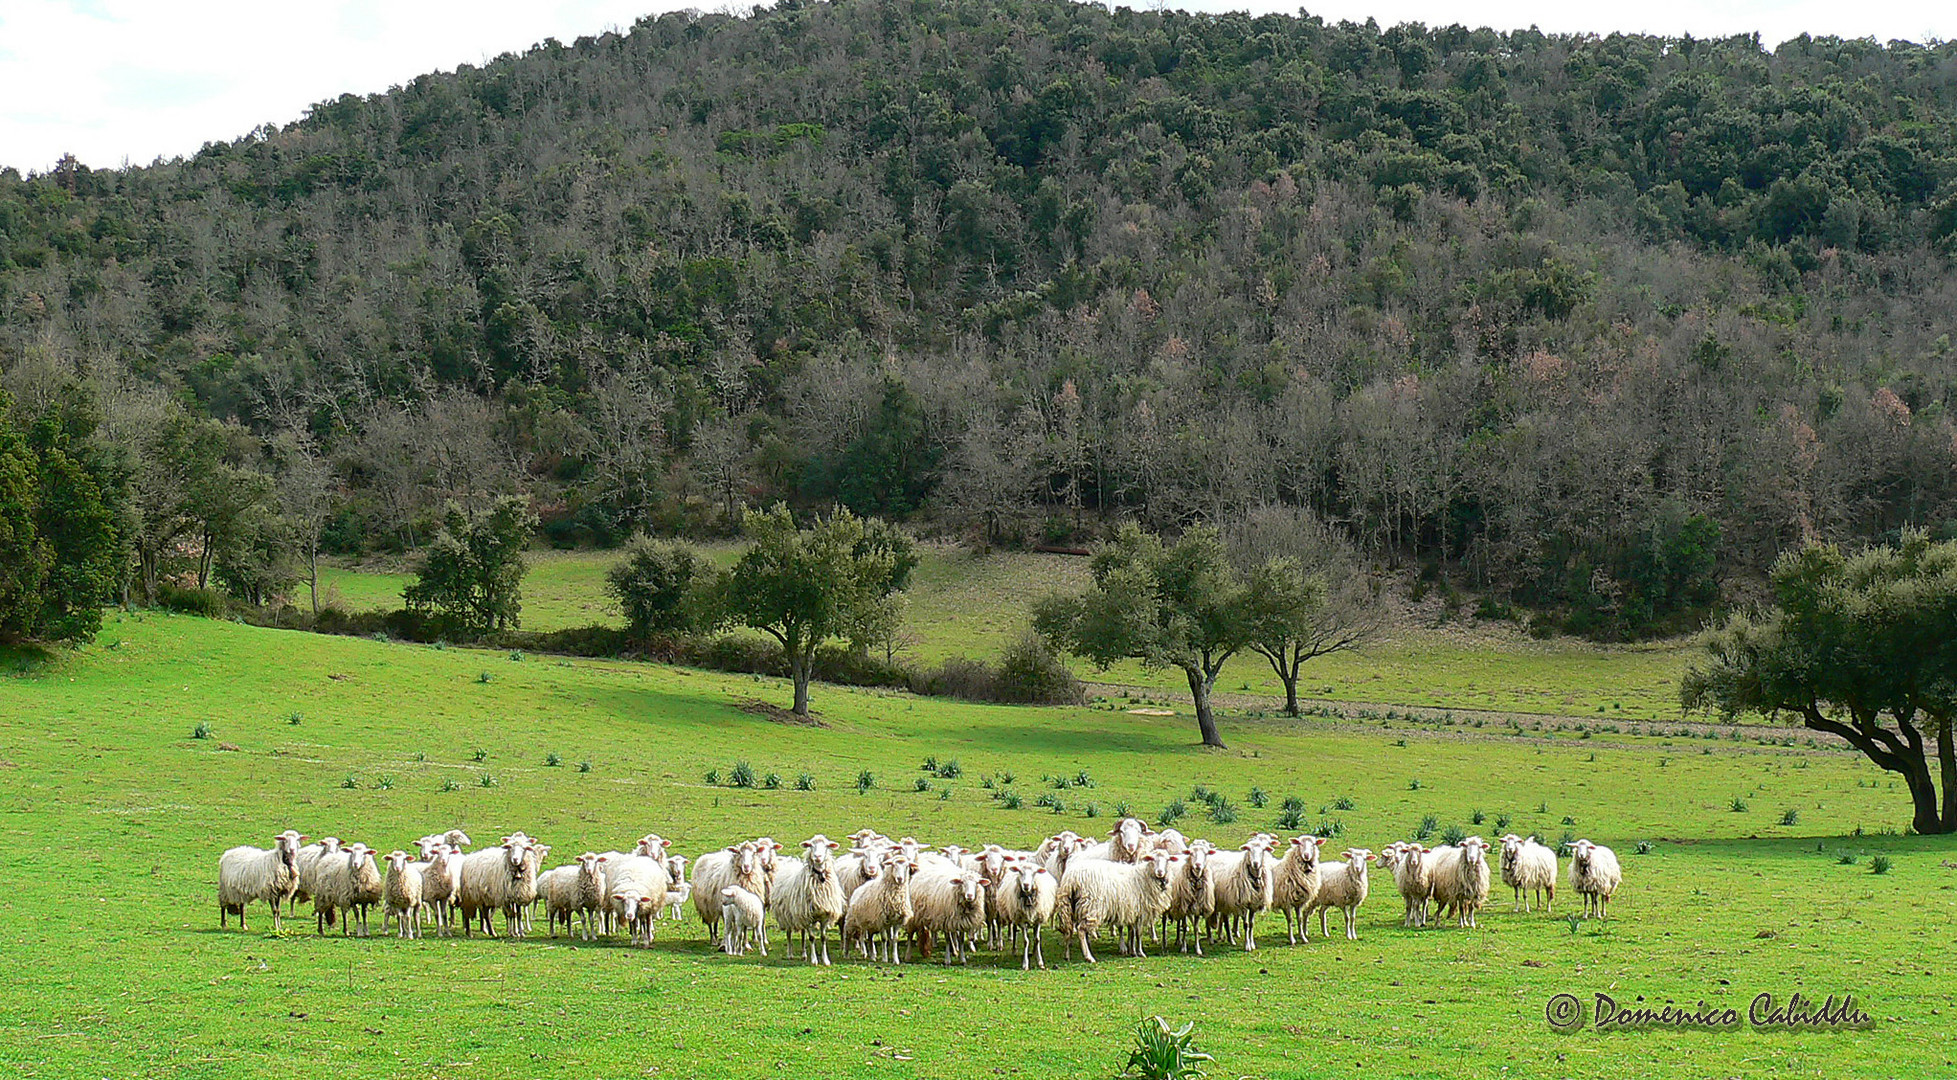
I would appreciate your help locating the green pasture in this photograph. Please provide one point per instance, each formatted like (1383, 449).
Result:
(114, 814)
(966, 603)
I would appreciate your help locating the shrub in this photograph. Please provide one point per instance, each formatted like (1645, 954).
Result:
(921, 785)
(1879, 865)
(1059, 782)
(1569, 820)
(1414, 784)
(1846, 857)
(1122, 809)
(950, 770)
(1173, 812)
(488, 780)
(987, 783)
(1222, 812)
(1739, 805)
(662, 587)
(804, 782)
(1289, 819)
(1011, 800)
(350, 783)
(1542, 808)
(293, 719)
(1330, 828)
(945, 796)
(484, 676)
(865, 780)
(1202, 794)
(930, 764)
(205, 603)
(1644, 847)
(772, 781)
(1082, 779)
(1791, 817)
(450, 785)
(1502, 822)
(1030, 673)
(202, 730)
(1091, 810)
(1563, 842)
(1344, 802)
(551, 760)
(1164, 1054)
(516, 656)
(584, 766)
(1453, 834)
(1426, 827)
(712, 778)
(742, 775)
(1257, 799)
(1292, 802)
(1478, 817)
(385, 783)
(1008, 777)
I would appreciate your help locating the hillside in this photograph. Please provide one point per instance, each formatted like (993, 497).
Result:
(115, 814)
(1599, 324)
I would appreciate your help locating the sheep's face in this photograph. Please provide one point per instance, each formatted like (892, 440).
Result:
(287, 845)
(993, 861)
(1027, 876)
(1257, 863)
(628, 906)
(676, 868)
(952, 852)
(588, 864)
(766, 853)
(1307, 849)
(1198, 858)
(1580, 853)
(396, 861)
(967, 887)
(900, 869)
(1356, 860)
(513, 857)
(1127, 836)
(1474, 850)
(330, 844)
(746, 859)
(1155, 866)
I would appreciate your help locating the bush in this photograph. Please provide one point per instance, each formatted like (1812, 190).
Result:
(865, 781)
(1345, 803)
(1257, 798)
(1791, 817)
(584, 766)
(202, 730)
(1289, 819)
(206, 603)
(712, 778)
(1426, 827)
(488, 780)
(950, 770)
(772, 781)
(1502, 822)
(804, 782)
(1478, 817)
(350, 783)
(1011, 800)
(1294, 803)
(742, 775)
(1161, 1053)
(1030, 673)
(1879, 865)
(450, 785)
(922, 784)
(1453, 834)
(551, 760)
(1173, 812)
(1222, 812)
(663, 587)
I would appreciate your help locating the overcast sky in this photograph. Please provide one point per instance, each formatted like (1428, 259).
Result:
(115, 81)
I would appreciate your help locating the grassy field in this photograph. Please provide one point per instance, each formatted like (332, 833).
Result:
(114, 814)
(964, 603)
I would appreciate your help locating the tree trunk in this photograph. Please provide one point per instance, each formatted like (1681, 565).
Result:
(312, 576)
(1291, 694)
(1947, 758)
(799, 667)
(1199, 691)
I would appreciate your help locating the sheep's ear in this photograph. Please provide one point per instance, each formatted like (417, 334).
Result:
(1039, 870)
(985, 883)
(833, 845)
(808, 843)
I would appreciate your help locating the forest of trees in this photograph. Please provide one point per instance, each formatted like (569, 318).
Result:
(1597, 326)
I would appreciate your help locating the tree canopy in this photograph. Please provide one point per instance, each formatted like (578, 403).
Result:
(1861, 646)
(472, 573)
(833, 580)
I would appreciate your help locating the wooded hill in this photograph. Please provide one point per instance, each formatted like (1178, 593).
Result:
(1596, 324)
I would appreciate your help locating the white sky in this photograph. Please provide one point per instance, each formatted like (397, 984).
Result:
(127, 81)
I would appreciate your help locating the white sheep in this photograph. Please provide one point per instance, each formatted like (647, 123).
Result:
(1594, 875)
(1412, 867)
(1025, 902)
(309, 860)
(402, 892)
(348, 884)
(574, 890)
(1530, 869)
(441, 879)
(1125, 842)
(636, 892)
(1294, 882)
(1058, 850)
(738, 864)
(741, 911)
(523, 891)
(880, 907)
(1459, 874)
(246, 873)
(1243, 889)
(807, 895)
(490, 877)
(1192, 896)
(1342, 885)
(678, 889)
(1125, 897)
(948, 902)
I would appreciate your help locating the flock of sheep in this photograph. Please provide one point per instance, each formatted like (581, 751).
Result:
(883, 891)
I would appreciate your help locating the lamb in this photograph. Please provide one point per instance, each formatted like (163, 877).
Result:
(1025, 902)
(742, 912)
(1594, 875)
(1192, 896)
(1124, 896)
(1530, 869)
(246, 873)
(1243, 889)
(677, 887)
(1342, 885)
(807, 895)
(309, 859)
(403, 894)
(1460, 879)
(740, 865)
(1294, 882)
(636, 889)
(947, 901)
(880, 907)
(577, 889)
(489, 878)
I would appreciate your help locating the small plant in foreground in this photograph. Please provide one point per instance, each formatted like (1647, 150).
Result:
(488, 780)
(584, 766)
(865, 780)
(1575, 921)
(1453, 834)
(1222, 812)
(450, 785)
(1879, 865)
(1502, 822)
(1413, 784)
(1790, 817)
(804, 782)
(385, 783)
(294, 719)
(516, 656)
(1011, 800)
(484, 676)
(1426, 827)
(1289, 819)
(1846, 857)
(1162, 1053)
(945, 796)
(1644, 847)
(772, 781)
(202, 730)
(1121, 809)
(742, 775)
(1257, 798)
(1478, 817)
(712, 778)
(921, 784)
(1173, 812)
(350, 783)
(1739, 805)
(950, 770)
(1292, 802)
(552, 760)
(480, 755)
(1091, 810)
